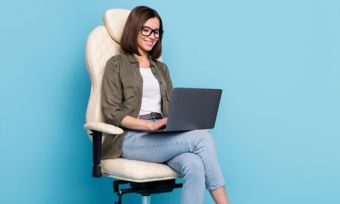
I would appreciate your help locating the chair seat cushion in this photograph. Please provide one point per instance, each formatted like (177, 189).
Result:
(137, 171)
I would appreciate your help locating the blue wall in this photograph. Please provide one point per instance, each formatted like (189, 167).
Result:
(278, 63)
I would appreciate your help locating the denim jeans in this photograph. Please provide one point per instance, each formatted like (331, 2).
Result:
(192, 154)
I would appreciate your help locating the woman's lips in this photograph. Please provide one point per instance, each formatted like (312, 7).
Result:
(149, 43)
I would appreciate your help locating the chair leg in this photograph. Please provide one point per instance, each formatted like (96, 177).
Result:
(120, 196)
(146, 199)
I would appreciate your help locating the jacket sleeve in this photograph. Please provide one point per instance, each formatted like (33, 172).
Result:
(168, 80)
(112, 94)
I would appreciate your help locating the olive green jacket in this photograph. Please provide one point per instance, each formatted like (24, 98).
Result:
(122, 95)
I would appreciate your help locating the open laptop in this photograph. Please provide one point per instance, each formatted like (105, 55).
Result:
(192, 109)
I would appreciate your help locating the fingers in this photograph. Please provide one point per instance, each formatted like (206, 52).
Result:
(158, 124)
(155, 125)
(162, 122)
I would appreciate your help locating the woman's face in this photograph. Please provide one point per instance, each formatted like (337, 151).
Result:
(148, 35)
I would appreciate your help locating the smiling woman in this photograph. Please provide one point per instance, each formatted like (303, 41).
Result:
(137, 35)
(145, 40)
(136, 93)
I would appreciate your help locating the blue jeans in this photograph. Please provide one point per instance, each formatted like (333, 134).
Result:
(192, 154)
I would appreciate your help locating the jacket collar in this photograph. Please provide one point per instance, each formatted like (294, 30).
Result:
(133, 60)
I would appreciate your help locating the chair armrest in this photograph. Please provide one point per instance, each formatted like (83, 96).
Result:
(96, 150)
(96, 129)
(103, 127)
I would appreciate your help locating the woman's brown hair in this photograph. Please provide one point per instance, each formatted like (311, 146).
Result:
(138, 16)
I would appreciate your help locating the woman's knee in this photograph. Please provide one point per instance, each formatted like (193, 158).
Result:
(192, 165)
(205, 139)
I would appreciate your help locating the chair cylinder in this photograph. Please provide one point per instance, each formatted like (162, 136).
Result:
(146, 199)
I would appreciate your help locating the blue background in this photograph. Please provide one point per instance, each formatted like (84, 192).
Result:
(278, 63)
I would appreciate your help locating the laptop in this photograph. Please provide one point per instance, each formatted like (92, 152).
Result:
(192, 109)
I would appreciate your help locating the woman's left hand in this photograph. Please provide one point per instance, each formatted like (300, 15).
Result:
(152, 126)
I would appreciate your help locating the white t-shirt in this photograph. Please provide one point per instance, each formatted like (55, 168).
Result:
(151, 97)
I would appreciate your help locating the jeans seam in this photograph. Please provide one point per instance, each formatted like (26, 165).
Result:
(155, 145)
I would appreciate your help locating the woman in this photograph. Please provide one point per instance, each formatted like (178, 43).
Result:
(136, 93)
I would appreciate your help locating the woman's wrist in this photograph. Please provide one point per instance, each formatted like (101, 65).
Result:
(147, 125)
(139, 124)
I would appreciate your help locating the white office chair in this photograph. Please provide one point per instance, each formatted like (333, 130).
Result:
(145, 178)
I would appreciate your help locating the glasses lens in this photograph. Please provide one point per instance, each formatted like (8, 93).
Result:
(146, 31)
(156, 33)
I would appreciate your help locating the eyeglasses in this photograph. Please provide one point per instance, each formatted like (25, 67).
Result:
(147, 31)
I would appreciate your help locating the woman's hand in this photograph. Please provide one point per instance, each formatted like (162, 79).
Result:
(152, 126)
(139, 124)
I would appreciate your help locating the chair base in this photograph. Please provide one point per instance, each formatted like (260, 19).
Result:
(144, 189)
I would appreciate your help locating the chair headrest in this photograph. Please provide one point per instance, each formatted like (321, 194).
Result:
(114, 21)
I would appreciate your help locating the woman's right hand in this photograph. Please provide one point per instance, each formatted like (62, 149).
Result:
(152, 126)
(139, 124)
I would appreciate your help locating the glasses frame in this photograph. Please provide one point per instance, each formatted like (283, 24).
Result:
(152, 31)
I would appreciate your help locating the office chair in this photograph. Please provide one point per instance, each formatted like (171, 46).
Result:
(144, 178)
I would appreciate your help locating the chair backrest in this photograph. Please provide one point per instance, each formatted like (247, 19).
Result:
(102, 43)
